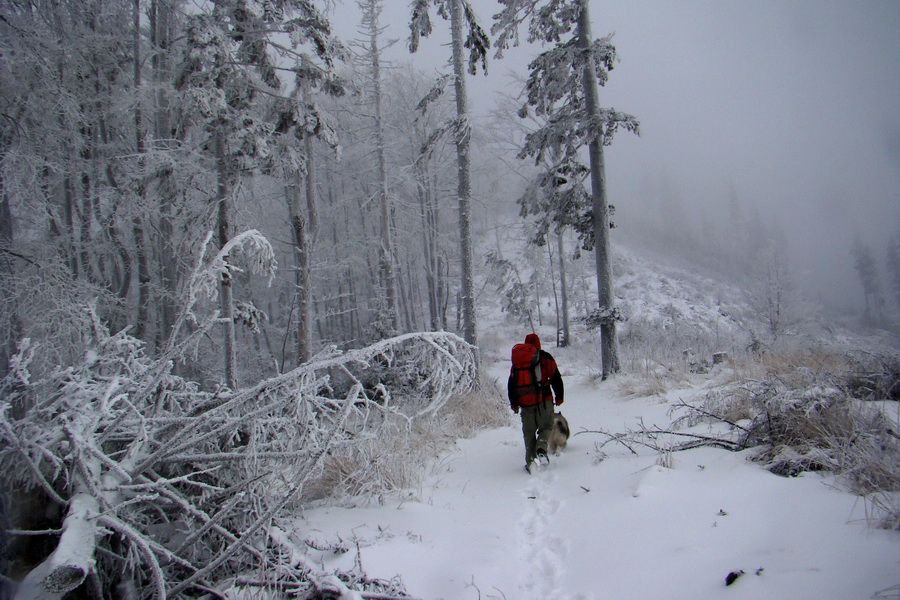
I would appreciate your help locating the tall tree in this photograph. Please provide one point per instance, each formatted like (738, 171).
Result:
(563, 86)
(462, 18)
(163, 22)
(420, 123)
(228, 66)
(7, 245)
(301, 177)
(566, 337)
(371, 12)
(64, 72)
(143, 275)
(771, 292)
(550, 203)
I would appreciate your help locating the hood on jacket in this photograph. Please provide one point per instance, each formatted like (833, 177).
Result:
(534, 340)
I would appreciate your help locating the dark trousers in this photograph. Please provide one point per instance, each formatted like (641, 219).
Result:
(537, 421)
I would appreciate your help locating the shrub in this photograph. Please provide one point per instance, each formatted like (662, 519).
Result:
(809, 420)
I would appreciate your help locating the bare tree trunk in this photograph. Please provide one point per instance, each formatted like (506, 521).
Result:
(371, 282)
(605, 297)
(223, 224)
(69, 217)
(143, 276)
(443, 289)
(405, 298)
(161, 23)
(467, 293)
(371, 10)
(83, 212)
(563, 289)
(429, 246)
(11, 332)
(121, 272)
(301, 268)
(304, 257)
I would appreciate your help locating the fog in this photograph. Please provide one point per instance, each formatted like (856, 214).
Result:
(790, 106)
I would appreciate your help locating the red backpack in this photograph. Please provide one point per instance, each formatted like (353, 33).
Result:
(526, 372)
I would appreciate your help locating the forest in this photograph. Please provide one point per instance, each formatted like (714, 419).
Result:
(234, 247)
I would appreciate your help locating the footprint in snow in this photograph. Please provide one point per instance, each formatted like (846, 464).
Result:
(542, 553)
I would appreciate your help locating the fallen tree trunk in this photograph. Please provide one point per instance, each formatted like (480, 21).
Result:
(72, 560)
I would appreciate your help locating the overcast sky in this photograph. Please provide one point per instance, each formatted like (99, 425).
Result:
(794, 103)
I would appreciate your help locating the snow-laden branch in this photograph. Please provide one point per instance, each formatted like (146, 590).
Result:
(170, 487)
(252, 246)
(247, 250)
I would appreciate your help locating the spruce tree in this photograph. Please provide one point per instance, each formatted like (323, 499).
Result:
(562, 86)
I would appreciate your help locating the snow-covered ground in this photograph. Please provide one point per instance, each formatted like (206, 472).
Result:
(612, 525)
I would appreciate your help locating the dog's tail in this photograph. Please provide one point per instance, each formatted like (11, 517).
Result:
(563, 426)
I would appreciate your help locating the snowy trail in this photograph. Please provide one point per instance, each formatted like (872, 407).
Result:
(542, 552)
(596, 525)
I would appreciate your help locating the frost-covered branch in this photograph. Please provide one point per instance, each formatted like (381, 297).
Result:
(168, 487)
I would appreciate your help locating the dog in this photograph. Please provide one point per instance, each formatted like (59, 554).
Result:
(559, 434)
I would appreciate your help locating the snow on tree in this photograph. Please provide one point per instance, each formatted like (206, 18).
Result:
(771, 293)
(517, 297)
(423, 122)
(371, 10)
(230, 62)
(461, 16)
(562, 86)
(63, 137)
(170, 489)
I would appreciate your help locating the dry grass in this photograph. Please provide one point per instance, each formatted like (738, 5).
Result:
(792, 360)
(399, 461)
(485, 408)
(801, 415)
(376, 467)
(644, 384)
(731, 404)
(650, 378)
(493, 345)
(782, 363)
(806, 410)
(839, 434)
(666, 459)
(652, 369)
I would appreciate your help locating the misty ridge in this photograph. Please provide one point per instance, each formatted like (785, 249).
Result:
(245, 243)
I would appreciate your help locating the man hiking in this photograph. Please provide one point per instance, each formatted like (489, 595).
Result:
(534, 381)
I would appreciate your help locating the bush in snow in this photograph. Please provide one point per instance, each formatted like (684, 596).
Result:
(798, 412)
(816, 420)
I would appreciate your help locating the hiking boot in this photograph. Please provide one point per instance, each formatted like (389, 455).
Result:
(542, 457)
(528, 468)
